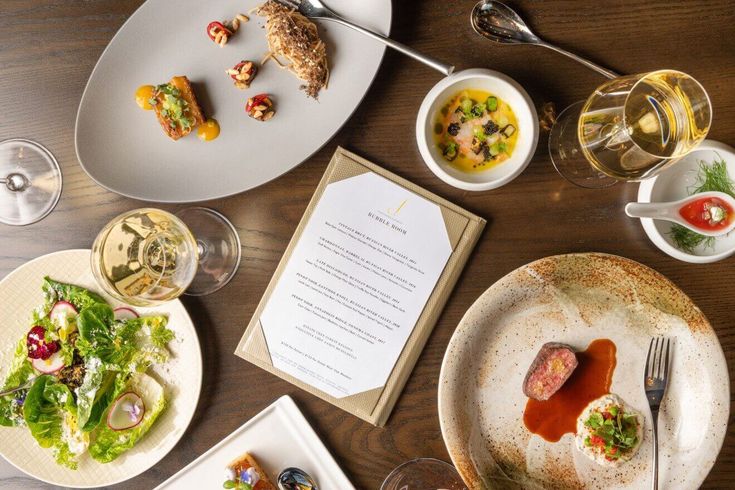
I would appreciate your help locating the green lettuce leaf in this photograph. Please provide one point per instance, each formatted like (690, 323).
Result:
(78, 296)
(109, 444)
(45, 410)
(21, 369)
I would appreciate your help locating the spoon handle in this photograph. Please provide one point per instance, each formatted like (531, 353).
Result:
(647, 210)
(427, 60)
(602, 71)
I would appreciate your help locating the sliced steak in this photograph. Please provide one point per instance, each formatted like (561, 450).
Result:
(553, 365)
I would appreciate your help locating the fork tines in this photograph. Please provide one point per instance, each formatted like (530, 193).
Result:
(294, 4)
(657, 361)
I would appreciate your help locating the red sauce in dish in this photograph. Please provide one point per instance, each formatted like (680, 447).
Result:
(698, 213)
(553, 418)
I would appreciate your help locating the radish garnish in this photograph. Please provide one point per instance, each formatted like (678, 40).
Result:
(125, 313)
(61, 312)
(52, 365)
(126, 412)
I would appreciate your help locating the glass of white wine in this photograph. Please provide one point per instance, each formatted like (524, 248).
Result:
(148, 256)
(630, 128)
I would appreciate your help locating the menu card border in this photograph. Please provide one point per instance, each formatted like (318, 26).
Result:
(464, 230)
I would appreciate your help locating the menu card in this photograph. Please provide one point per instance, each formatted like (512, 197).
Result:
(360, 287)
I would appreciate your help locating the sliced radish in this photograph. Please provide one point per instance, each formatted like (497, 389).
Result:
(51, 365)
(125, 313)
(126, 412)
(61, 312)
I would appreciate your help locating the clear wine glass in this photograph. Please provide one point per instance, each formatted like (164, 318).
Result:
(424, 474)
(630, 128)
(30, 182)
(148, 256)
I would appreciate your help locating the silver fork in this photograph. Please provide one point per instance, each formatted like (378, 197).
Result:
(315, 9)
(655, 379)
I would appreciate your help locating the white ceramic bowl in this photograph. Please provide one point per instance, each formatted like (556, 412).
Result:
(672, 185)
(506, 89)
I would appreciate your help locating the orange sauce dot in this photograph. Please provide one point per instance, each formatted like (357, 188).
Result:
(209, 130)
(142, 95)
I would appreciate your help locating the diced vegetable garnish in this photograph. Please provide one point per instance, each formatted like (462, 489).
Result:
(453, 129)
(450, 151)
(490, 127)
(508, 130)
(492, 103)
(466, 105)
(479, 133)
(477, 110)
(495, 149)
(476, 145)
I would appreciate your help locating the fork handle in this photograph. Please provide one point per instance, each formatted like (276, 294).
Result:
(654, 418)
(427, 60)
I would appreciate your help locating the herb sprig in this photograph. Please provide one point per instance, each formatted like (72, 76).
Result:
(712, 177)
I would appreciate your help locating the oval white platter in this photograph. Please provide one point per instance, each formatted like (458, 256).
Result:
(124, 149)
(20, 293)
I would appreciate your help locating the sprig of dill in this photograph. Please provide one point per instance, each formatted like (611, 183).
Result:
(709, 178)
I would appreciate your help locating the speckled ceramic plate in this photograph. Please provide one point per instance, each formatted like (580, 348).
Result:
(20, 293)
(575, 299)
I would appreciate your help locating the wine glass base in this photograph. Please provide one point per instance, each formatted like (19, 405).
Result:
(219, 249)
(423, 474)
(567, 156)
(30, 182)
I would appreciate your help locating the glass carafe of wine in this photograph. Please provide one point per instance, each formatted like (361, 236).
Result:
(630, 128)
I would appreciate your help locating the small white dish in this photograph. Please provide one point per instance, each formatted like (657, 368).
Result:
(278, 437)
(506, 89)
(673, 184)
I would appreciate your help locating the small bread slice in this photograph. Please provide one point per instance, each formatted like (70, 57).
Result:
(248, 461)
(193, 110)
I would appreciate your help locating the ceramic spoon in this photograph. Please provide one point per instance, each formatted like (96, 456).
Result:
(669, 211)
(500, 23)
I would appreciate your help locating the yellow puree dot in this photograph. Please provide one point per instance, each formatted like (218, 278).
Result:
(209, 130)
(142, 95)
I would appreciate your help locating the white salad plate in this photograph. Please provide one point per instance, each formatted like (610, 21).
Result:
(674, 184)
(123, 148)
(507, 90)
(181, 376)
(575, 299)
(279, 437)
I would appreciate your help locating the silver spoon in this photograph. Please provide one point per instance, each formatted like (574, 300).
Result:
(500, 23)
(296, 479)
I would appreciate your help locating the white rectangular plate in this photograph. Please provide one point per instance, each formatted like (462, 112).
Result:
(278, 437)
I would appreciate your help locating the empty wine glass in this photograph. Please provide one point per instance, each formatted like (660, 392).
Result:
(30, 182)
(424, 474)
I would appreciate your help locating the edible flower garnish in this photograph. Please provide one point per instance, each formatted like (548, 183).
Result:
(245, 480)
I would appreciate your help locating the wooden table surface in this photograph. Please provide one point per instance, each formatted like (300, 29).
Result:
(49, 47)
